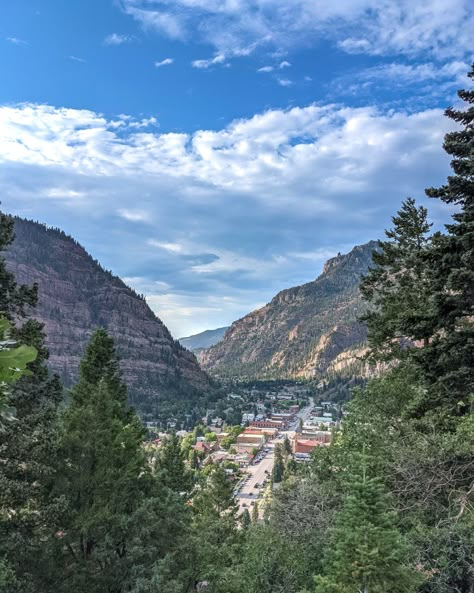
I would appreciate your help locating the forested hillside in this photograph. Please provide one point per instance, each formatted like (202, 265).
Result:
(303, 331)
(76, 295)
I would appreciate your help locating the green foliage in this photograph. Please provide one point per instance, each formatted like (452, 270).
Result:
(218, 539)
(13, 365)
(121, 526)
(367, 552)
(170, 467)
(279, 465)
(399, 286)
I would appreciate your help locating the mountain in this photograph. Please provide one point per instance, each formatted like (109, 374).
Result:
(77, 295)
(205, 339)
(305, 331)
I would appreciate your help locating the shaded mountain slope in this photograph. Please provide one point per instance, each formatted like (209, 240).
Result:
(77, 295)
(302, 331)
(205, 339)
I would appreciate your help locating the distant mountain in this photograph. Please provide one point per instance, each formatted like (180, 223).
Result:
(305, 331)
(77, 295)
(205, 339)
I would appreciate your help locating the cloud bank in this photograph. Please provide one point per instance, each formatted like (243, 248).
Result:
(211, 224)
(378, 27)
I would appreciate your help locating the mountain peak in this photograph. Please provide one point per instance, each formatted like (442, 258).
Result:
(302, 330)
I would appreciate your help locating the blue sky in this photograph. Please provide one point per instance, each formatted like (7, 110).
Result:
(213, 152)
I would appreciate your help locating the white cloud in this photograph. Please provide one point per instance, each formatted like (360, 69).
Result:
(266, 69)
(267, 150)
(161, 21)
(284, 64)
(239, 212)
(134, 215)
(62, 193)
(284, 82)
(16, 41)
(117, 39)
(165, 62)
(380, 27)
(218, 59)
(173, 247)
(76, 59)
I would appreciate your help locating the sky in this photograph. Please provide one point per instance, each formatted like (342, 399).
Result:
(214, 152)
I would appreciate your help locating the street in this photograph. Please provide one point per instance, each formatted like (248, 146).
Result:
(258, 473)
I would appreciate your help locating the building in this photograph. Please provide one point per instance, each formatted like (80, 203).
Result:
(322, 436)
(283, 417)
(202, 447)
(257, 440)
(268, 432)
(305, 445)
(278, 424)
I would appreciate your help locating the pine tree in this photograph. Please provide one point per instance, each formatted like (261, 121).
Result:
(398, 287)
(122, 530)
(218, 539)
(448, 364)
(245, 519)
(255, 513)
(170, 468)
(29, 444)
(104, 475)
(278, 466)
(367, 553)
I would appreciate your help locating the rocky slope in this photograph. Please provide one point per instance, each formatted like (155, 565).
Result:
(77, 295)
(203, 340)
(303, 331)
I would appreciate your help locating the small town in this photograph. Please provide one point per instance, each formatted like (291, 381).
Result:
(280, 427)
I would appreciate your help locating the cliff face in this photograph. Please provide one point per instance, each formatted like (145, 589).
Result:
(302, 331)
(76, 295)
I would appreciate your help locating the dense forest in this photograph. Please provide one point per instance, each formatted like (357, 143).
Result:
(386, 508)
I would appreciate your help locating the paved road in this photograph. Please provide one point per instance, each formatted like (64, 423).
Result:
(257, 472)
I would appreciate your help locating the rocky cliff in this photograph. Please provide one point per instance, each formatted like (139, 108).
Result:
(303, 331)
(77, 295)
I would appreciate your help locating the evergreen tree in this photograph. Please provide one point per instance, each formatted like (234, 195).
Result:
(367, 552)
(120, 529)
(448, 363)
(245, 519)
(398, 287)
(28, 445)
(170, 468)
(255, 513)
(104, 475)
(218, 538)
(278, 466)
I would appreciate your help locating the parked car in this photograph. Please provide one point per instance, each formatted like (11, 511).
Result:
(257, 485)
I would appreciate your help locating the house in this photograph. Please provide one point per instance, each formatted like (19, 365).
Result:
(305, 445)
(202, 447)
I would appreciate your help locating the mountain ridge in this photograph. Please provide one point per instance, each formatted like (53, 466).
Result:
(302, 330)
(203, 340)
(76, 295)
